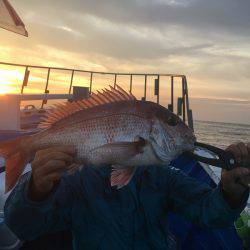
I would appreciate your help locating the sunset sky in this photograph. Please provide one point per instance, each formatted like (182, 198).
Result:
(208, 40)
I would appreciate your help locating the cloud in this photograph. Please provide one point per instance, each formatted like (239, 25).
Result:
(134, 29)
(207, 40)
(229, 14)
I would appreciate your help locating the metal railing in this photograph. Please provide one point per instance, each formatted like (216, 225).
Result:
(186, 111)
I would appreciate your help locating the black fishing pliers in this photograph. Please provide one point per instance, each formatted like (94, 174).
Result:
(223, 159)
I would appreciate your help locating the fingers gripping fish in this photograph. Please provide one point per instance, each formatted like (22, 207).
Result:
(109, 128)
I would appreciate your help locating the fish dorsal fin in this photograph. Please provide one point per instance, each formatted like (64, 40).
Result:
(61, 111)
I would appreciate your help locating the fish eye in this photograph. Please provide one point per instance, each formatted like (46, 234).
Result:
(172, 121)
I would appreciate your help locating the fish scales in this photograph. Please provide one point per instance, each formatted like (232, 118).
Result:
(95, 127)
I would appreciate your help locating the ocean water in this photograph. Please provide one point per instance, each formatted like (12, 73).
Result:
(221, 134)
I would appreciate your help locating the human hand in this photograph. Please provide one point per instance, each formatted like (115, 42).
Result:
(47, 168)
(237, 181)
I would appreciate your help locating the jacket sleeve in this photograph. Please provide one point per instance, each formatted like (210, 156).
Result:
(198, 203)
(28, 219)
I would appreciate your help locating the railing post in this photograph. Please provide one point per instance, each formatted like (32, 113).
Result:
(172, 93)
(184, 100)
(91, 82)
(47, 81)
(145, 87)
(115, 80)
(71, 80)
(131, 83)
(189, 111)
(46, 91)
(158, 96)
(25, 79)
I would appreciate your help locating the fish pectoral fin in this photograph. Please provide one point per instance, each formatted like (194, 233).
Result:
(118, 152)
(120, 177)
(131, 148)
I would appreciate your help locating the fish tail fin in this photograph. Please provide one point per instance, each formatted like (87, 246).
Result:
(15, 158)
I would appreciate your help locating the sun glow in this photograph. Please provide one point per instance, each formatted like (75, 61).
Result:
(5, 90)
(10, 81)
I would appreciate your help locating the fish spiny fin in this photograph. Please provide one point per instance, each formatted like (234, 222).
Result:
(129, 95)
(107, 96)
(119, 93)
(112, 95)
(102, 97)
(61, 111)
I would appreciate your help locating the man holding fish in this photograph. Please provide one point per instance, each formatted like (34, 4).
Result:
(112, 185)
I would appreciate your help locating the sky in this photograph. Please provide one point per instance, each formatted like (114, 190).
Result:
(208, 41)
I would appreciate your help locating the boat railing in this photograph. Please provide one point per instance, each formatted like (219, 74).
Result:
(183, 109)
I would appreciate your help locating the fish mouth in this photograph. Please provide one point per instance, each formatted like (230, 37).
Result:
(190, 148)
(187, 145)
(190, 142)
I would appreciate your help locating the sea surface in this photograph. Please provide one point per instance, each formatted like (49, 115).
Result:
(214, 133)
(221, 134)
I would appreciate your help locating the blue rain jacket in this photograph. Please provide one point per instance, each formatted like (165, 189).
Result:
(133, 217)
